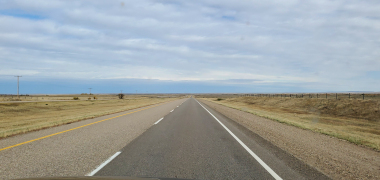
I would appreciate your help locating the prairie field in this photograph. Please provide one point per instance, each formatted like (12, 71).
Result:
(354, 120)
(22, 117)
(68, 97)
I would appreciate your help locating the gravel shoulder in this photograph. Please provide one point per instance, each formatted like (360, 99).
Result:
(336, 158)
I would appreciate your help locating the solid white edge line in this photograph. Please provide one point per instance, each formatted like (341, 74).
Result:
(262, 163)
(172, 110)
(103, 164)
(158, 121)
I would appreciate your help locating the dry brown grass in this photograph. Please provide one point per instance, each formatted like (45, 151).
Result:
(63, 97)
(16, 118)
(357, 121)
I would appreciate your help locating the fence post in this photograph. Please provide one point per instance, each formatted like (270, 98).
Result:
(336, 95)
(363, 96)
(349, 95)
(326, 95)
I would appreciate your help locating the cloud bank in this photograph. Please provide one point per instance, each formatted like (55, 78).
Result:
(311, 46)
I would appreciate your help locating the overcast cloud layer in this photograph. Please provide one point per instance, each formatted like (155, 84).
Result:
(321, 45)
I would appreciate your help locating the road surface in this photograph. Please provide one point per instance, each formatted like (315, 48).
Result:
(183, 139)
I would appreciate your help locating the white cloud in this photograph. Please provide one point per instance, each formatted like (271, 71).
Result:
(10, 72)
(329, 43)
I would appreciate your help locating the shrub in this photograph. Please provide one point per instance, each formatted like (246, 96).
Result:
(75, 98)
(219, 99)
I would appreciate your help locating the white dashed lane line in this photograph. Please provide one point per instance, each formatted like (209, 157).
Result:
(103, 164)
(158, 121)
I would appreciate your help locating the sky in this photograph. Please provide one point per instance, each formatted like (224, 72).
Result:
(178, 46)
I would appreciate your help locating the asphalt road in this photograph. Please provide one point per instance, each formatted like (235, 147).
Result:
(179, 139)
(191, 142)
(79, 148)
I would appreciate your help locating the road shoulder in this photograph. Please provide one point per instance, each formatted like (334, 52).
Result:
(80, 150)
(336, 158)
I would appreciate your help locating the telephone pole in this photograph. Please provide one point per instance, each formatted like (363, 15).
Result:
(18, 86)
(90, 90)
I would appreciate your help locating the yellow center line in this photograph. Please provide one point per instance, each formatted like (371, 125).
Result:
(26, 142)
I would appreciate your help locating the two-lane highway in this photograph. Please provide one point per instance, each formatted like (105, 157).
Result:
(178, 139)
(75, 149)
(191, 142)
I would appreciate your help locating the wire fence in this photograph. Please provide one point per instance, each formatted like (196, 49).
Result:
(337, 96)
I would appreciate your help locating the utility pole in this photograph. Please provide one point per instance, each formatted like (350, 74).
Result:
(90, 90)
(121, 91)
(18, 86)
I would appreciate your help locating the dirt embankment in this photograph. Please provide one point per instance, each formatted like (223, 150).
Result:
(351, 108)
(336, 158)
(357, 121)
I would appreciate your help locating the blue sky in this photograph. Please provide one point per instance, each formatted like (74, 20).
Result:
(189, 46)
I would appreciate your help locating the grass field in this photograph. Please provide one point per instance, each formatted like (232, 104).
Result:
(16, 118)
(62, 97)
(336, 96)
(354, 120)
